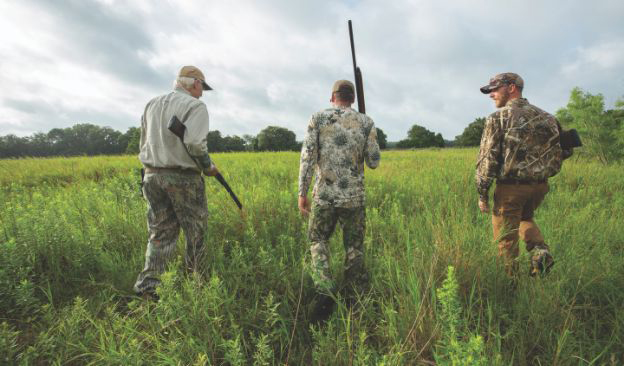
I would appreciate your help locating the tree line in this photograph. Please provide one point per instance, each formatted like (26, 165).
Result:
(602, 132)
(80, 139)
(89, 139)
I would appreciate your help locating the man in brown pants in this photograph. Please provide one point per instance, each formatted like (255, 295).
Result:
(520, 148)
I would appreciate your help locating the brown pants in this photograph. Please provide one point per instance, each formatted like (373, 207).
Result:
(512, 218)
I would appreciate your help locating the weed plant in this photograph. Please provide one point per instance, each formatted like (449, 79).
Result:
(73, 235)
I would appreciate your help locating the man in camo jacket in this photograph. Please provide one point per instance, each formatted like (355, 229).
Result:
(338, 142)
(173, 185)
(520, 148)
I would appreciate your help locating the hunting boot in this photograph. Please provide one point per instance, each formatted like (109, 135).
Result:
(323, 307)
(541, 260)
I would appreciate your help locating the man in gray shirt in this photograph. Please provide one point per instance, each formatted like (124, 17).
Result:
(173, 185)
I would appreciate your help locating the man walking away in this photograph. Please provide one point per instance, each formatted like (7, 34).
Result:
(520, 148)
(173, 185)
(339, 140)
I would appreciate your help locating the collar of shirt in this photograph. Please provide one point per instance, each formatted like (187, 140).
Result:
(344, 108)
(518, 102)
(181, 90)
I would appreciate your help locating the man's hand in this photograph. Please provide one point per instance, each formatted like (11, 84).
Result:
(212, 171)
(484, 206)
(304, 205)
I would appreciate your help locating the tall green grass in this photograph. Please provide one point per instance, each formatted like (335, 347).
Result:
(73, 236)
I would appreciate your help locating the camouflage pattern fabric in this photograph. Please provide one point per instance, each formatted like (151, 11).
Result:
(541, 261)
(337, 144)
(520, 141)
(322, 224)
(499, 80)
(174, 200)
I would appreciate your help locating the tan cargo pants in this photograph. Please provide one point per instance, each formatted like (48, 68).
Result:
(512, 219)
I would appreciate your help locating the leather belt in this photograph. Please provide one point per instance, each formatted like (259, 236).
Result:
(152, 170)
(519, 181)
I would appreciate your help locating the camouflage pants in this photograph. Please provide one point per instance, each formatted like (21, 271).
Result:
(174, 200)
(512, 219)
(322, 224)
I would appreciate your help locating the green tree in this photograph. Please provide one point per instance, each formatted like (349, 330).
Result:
(382, 139)
(419, 136)
(405, 144)
(13, 146)
(472, 133)
(600, 130)
(133, 139)
(618, 113)
(233, 143)
(38, 145)
(275, 138)
(251, 142)
(438, 140)
(86, 139)
(214, 141)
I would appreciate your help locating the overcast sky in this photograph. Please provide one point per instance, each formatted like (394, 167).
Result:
(273, 62)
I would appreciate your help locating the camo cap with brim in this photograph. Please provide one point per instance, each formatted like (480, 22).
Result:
(195, 73)
(499, 80)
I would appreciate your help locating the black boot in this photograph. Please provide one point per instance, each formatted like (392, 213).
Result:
(323, 308)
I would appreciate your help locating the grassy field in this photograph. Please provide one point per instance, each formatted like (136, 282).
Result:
(73, 235)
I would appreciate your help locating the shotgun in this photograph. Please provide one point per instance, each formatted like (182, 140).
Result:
(178, 128)
(359, 85)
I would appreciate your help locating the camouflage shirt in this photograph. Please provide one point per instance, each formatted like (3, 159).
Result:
(519, 141)
(336, 145)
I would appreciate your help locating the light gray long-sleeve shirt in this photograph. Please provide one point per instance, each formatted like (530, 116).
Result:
(161, 148)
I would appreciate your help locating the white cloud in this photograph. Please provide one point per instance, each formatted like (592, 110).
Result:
(602, 56)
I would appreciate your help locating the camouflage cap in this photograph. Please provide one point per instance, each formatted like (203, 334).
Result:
(195, 73)
(344, 86)
(505, 78)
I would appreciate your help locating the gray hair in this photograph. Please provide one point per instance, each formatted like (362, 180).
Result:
(183, 82)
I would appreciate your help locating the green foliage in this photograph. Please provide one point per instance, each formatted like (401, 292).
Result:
(419, 137)
(133, 136)
(452, 349)
(73, 235)
(251, 142)
(233, 143)
(472, 134)
(81, 139)
(8, 344)
(382, 139)
(275, 138)
(600, 130)
(214, 141)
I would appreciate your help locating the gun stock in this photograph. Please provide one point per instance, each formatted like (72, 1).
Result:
(177, 127)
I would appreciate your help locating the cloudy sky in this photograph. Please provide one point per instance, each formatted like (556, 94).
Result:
(272, 62)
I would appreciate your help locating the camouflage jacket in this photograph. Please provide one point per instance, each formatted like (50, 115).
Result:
(336, 145)
(519, 141)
